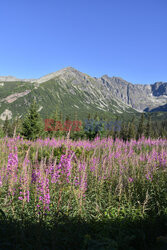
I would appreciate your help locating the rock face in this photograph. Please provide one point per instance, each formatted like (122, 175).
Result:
(7, 113)
(138, 96)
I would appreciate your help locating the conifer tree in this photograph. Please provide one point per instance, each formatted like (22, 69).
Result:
(90, 128)
(32, 126)
(124, 132)
(89, 116)
(148, 132)
(141, 128)
(77, 128)
(57, 124)
(155, 132)
(116, 128)
(131, 134)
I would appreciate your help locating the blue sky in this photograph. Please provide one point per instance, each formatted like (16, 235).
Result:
(125, 38)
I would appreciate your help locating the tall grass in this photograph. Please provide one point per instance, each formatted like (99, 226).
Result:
(96, 180)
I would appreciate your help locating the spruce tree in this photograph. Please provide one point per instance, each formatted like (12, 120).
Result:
(77, 128)
(155, 132)
(57, 124)
(124, 132)
(89, 116)
(32, 126)
(131, 134)
(141, 128)
(116, 129)
(148, 132)
(90, 128)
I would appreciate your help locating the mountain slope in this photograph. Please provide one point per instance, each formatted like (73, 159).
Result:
(68, 89)
(72, 91)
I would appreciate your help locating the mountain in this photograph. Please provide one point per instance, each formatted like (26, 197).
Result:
(140, 97)
(72, 91)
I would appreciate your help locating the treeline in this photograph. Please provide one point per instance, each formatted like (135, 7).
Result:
(32, 126)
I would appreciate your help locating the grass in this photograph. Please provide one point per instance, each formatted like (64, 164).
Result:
(101, 194)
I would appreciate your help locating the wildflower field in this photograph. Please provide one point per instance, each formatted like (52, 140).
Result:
(100, 194)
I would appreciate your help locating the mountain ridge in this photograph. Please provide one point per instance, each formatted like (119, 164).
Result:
(70, 69)
(72, 90)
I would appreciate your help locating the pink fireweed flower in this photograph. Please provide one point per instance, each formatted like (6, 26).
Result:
(130, 179)
(149, 176)
(63, 170)
(24, 181)
(83, 177)
(12, 164)
(0, 181)
(12, 170)
(42, 187)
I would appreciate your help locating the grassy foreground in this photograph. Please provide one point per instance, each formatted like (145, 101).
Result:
(63, 194)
